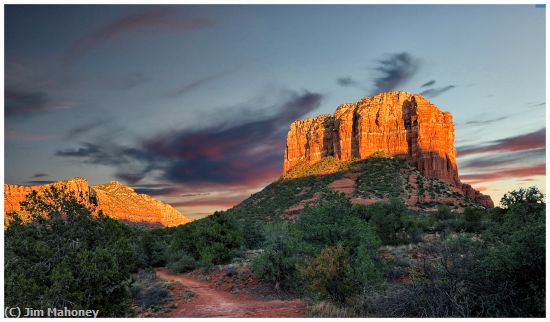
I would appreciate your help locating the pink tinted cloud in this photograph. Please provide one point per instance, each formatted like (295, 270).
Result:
(522, 172)
(529, 141)
(158, 19)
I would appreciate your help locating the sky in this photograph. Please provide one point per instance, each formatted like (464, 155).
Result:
(191, 104)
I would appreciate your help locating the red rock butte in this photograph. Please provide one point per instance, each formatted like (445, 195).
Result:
(397, 124)
(114, 199)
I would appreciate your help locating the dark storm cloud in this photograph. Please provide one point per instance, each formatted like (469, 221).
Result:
(395, 70)
(433, 92)
(156, 19)
(529, 141)
(430, 83)
(487, 122)
(231, 153)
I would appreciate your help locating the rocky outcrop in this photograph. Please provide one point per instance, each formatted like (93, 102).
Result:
(397, 124)
(114, 199)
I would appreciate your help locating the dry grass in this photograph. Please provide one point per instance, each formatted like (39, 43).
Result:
(325, 309)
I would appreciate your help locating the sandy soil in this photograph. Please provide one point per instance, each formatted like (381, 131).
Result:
(210, 302)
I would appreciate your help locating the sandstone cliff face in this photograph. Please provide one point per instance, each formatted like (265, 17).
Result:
(398, 124)
(114, 199)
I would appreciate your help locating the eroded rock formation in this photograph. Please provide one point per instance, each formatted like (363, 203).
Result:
(397, 124)
(114, 199)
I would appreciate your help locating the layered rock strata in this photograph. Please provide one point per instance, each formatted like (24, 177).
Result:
(397, 124)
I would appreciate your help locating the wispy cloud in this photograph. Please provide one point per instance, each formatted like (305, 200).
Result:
(157, 19)
(348, 81)
(25, 136)
(83, 129)
(430, 83)
(229, 153)
(486, 122)
(25, 103)
(520, 172)
(495, 161)
(533, 140)
(39, 175)
(395, 70)
(433, 92)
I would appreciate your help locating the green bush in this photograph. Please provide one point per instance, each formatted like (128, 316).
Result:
(183, 264)
(64, 257)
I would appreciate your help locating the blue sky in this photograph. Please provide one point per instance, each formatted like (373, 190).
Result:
(134, 93)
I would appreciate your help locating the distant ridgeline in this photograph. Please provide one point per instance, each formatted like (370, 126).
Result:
(395, 124)
(115, 199)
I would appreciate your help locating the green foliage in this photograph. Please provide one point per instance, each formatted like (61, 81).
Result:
(64, 257)
(211, 241)
(182, 263)
(393, 222)
(328, 273)
(283, 253)
(294, 253)
(381, 177)
(499, 272)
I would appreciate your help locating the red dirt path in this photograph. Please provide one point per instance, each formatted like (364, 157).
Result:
(210, 302)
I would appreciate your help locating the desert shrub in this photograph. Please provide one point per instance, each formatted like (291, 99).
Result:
(394, 223)
(283, 253)
(182, 264)
(291, 247)
(64, 257)
(329, 274)
(147, 290)
(443, 212)
(210, 241)
(500, 274)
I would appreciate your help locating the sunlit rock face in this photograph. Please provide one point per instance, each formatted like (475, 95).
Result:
(114, 199)
(397, 124)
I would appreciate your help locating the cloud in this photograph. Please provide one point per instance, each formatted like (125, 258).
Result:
(20, 102)
(83, 129)
(520, 172)
(427, 84)
(223, 202)
(536, 104)
(433, 92)
(39, 175)
(487, 122)
(499, 160)
(246, 153)
(394, 70)
(533, 140)
(25, 136)
(347, 81)
(231, 153)
(157, 19)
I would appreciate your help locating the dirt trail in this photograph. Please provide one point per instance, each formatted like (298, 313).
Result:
(209, 302)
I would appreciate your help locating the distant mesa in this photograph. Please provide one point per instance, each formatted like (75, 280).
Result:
(396, 124)
(115, 199)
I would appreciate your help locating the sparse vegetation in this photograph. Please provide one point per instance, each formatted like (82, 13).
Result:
(348, 260)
